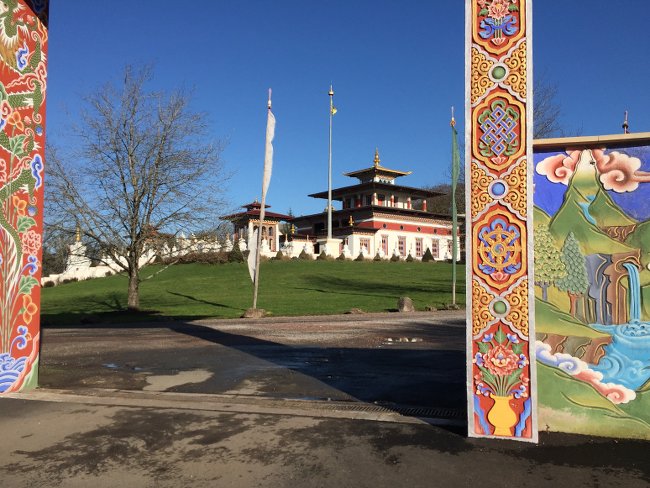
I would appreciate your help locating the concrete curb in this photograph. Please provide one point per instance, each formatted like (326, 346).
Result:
(230, 404)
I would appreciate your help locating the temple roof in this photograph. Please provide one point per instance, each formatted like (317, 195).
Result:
(376, 170)
(340, 193)
(253, 210)
(255, 204)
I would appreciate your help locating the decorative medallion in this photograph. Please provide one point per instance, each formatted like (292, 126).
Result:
(500, 125)
(499, 242)
(498, 24)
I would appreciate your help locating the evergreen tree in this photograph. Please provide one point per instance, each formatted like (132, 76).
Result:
(427, 256)
(549, 268)
(576, 281)
(235, 255)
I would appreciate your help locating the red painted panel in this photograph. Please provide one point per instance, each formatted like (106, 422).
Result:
(405, 227)
(23, 49)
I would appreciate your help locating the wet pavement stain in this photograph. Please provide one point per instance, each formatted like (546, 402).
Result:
(133, 440)
(166, 382)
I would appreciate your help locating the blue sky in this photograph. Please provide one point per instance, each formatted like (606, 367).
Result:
(397, 67)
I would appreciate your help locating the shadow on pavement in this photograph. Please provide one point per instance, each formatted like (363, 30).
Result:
(428, 380)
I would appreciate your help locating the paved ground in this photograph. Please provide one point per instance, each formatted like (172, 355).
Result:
(311, 402)
(415, 361)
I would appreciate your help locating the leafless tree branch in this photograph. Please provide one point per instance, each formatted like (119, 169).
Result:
(145, 164)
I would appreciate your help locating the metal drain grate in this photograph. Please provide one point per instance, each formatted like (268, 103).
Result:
(408, 411)
(427, 412)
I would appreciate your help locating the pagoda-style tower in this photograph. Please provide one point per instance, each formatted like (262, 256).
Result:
(246, 222)
(378, 216)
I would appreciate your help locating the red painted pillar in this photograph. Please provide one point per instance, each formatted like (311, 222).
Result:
(23, 76)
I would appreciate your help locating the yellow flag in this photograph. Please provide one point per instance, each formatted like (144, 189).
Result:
(333, 110)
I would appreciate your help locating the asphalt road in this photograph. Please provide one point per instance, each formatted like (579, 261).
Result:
(416, 361)
(348, 401)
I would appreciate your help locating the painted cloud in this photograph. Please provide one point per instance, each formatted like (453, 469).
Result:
(617, 171)
(580, 370)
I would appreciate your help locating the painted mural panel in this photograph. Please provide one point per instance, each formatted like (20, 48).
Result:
(500, 374)
(592, 285)
(23, 48)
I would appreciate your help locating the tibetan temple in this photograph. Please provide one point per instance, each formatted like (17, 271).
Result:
(377, 217)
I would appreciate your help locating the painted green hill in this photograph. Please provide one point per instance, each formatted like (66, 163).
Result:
(540, 217)
(551, 320)
(640, 239)
(606, 212)
(585, 210)
(581, 409)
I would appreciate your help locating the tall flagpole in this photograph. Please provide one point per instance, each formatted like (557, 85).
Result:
(268, 163)
(329, 171)
(455, 169)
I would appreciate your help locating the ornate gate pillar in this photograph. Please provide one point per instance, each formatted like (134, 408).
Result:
(23, 72)
(500, 333)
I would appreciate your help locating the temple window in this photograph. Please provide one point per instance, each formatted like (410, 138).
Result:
(435, 248)
(364, 242)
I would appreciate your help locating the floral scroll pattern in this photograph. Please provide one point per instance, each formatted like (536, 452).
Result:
(23, 47)
(499, 231)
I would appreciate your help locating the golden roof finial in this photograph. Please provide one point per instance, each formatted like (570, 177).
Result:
(78, 234)
(377, 160)
(351, 221)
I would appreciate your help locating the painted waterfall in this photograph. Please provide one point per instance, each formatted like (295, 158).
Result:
(592, 277)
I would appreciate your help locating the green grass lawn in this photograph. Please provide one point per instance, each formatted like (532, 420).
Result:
(192, 291)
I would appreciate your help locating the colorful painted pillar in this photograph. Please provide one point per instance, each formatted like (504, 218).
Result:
(23, 82)
(501, 360)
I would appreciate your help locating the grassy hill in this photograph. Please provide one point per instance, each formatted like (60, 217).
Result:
(192, 291)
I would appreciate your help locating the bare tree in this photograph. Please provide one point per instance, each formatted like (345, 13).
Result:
(55, 251)
(546, 110)
(145, 164)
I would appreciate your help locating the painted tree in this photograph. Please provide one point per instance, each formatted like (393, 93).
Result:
(549, 268)
(576, 281)
(146, 164)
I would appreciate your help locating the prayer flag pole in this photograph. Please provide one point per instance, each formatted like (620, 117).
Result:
(266, 179)
(329, 170)
(455, 170)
